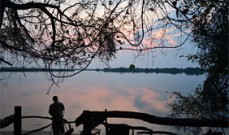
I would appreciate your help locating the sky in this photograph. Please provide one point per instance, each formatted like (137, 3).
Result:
(159, 58)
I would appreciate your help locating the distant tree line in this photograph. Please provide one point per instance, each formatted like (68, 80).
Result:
(32, 69)
(187, 71)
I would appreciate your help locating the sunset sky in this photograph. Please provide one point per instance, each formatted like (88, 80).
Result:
(159, 58)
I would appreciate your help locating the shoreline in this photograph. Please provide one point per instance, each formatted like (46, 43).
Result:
(36, 133)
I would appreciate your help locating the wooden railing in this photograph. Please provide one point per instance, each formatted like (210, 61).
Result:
(13, 119)
(16, 120)
(91, 119)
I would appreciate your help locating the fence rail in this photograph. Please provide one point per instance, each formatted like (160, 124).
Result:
(91, 119)
(16, 120)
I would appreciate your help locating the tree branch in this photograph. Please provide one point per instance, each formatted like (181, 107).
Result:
(29, 5)
(2, 60)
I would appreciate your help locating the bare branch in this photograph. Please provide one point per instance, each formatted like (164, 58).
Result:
(73, 34)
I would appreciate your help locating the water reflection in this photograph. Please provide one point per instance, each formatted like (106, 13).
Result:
(93, 91)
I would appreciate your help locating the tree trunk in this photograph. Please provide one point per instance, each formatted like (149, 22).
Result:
(96, 115)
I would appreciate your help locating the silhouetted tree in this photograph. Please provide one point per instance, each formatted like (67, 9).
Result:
(210, 33)
(73, 33)
(132, 66)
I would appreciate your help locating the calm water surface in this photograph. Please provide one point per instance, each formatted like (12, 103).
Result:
(95, 91)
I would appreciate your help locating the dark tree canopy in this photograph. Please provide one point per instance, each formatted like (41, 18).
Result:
(73, 33)
(210, 34)
(212, 39)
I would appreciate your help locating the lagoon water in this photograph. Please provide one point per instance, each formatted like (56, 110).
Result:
(95, 91)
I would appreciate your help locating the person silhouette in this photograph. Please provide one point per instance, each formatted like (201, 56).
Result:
(56, 110)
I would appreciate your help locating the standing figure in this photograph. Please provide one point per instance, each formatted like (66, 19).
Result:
(56, 110)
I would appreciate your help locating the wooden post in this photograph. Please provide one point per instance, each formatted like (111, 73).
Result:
(87, 124)
(17, 121)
